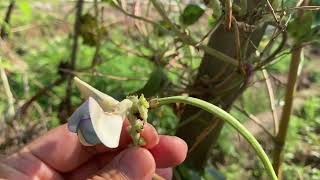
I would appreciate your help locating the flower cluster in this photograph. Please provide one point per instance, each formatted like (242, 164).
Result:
(137, 117)
(100, 118)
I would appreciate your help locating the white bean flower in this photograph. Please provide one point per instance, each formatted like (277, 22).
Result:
(100, 118)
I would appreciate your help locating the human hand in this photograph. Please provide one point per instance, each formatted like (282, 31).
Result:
(59, 155)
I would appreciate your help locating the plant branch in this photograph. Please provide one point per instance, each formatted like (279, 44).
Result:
(271, 100)
(274, 54)
(287, 109)
(189, 40)
(211, 31)
(183, 36)
(254, 119)
(223, 115)
(96, 55)
(7, 90)
(273, 12)
(73, 56)
(306, 8)
(6, 20)
(228, 16)
(203, 135)
(23, 109)
(289, 97)
(237, 41)
(137, 17)
(109, 76)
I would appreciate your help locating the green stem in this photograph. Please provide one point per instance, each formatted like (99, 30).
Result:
(280, 138)
(223, 115)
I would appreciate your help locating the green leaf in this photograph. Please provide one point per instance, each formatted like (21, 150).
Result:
(316, 14)
(191, 14)
(312, 35)
(89, 30)
(164, 29)
(317, 18)
(299, 27)
(156, 82)
(290, 3)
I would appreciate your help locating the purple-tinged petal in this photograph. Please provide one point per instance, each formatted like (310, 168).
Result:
(87, 131)
(81, 112)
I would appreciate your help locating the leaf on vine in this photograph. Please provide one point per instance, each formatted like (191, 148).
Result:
(156, 82)
(90, 30)
(313, 35)
(317, 17)
(300, 26)
(317, 13)
(161, 31)
(191, 14)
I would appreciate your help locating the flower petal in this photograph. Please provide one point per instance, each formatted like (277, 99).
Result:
(81, 112)
(123, 107)
(82, 139)
(87, 133)
(107, 126)
(105, 101)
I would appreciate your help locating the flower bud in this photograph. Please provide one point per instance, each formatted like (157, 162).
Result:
(138, 125)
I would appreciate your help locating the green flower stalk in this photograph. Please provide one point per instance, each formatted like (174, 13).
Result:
(223, 115)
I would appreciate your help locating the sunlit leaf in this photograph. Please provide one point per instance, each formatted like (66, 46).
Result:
(26, 11)
(5, 65)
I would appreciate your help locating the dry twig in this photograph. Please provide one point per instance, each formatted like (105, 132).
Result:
(254, 119)
(271, 100)
(7, 90)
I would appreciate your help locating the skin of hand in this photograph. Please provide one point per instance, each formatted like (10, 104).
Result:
(58, 154)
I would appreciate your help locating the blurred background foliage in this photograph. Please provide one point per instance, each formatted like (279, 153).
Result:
(121, 55)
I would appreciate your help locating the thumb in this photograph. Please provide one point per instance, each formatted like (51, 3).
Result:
(131, 164)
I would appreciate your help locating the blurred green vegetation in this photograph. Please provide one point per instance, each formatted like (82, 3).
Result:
(40, 36)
